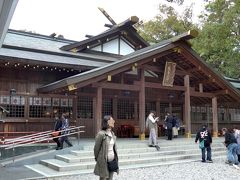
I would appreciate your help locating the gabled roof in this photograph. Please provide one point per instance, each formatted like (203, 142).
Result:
(126, 60)
(146, 54)
(125, 29)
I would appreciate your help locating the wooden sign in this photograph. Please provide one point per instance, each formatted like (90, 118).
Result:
(169, 74)
(72, 87)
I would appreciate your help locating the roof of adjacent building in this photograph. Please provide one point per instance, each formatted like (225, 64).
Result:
(39, 48)
(124, 29)
(234, 82)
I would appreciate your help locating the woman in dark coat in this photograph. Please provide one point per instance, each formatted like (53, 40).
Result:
(105, 149)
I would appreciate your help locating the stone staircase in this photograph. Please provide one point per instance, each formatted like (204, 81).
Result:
(132, 154)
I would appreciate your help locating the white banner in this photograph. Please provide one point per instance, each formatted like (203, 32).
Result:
(47, 102)
(15, 100)
(55, 101)
(64, 102)
(4, 99)
(70, 102)
(37, 101)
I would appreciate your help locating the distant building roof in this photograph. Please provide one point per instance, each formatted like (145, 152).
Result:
(234, 82)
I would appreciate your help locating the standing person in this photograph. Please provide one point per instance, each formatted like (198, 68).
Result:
(205, 140)
(65, 131)
(176, 126)
(231, 144)
(151, 123)
(169, 125)
(57, 127)
(237, 136)
(105, 150)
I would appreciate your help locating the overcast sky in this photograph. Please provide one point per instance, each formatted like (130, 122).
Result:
(76, 18)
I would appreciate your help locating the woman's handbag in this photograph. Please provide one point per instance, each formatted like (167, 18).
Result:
(55, 133)
(202, 144)
(113, 166)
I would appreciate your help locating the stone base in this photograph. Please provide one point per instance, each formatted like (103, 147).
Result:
(215, 134)
(188, 135)
(142, 136)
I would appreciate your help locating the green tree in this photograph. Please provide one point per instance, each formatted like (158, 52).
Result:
(219, 40)
(219, 37)
(166, 24)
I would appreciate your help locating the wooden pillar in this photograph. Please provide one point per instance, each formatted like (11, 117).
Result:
(98, 119)
(158, 108)
(74, 111)
(26, 112)
(200, 87)
(142, 105)
(114, 108)
(158, 115)
(187, 107)
(135, 110)
(170, 107)
(94, 126)
(215, 117)
(26, 107)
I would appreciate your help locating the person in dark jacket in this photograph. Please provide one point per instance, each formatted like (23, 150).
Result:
(57, 127)
(65, 131)
(205, 136)
(169, 125)
(231, 145)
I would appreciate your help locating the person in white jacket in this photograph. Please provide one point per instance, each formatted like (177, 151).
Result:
(151, 123)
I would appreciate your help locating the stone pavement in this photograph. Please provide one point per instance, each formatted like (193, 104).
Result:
(193, 170)
(217, 170)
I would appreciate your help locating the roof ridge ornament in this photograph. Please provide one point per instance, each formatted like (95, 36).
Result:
(107, 16)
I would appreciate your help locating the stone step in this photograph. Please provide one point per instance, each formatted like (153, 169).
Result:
(145, 148)
(70, 158)
(137, 144)
(51, 173)
(64, 166)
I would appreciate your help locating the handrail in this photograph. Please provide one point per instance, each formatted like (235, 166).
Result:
(38, 137)
(31, 135)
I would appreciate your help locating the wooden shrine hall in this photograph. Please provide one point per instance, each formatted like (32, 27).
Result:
(117, 73)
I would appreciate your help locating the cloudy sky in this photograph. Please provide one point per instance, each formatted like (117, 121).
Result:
(76, 18)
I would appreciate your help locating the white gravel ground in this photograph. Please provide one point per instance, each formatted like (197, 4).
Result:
(217, 170)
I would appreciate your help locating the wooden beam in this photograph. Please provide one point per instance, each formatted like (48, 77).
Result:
(160, 86)
(203, 94)
(221, 92)
(117, 86)
(158, 69)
